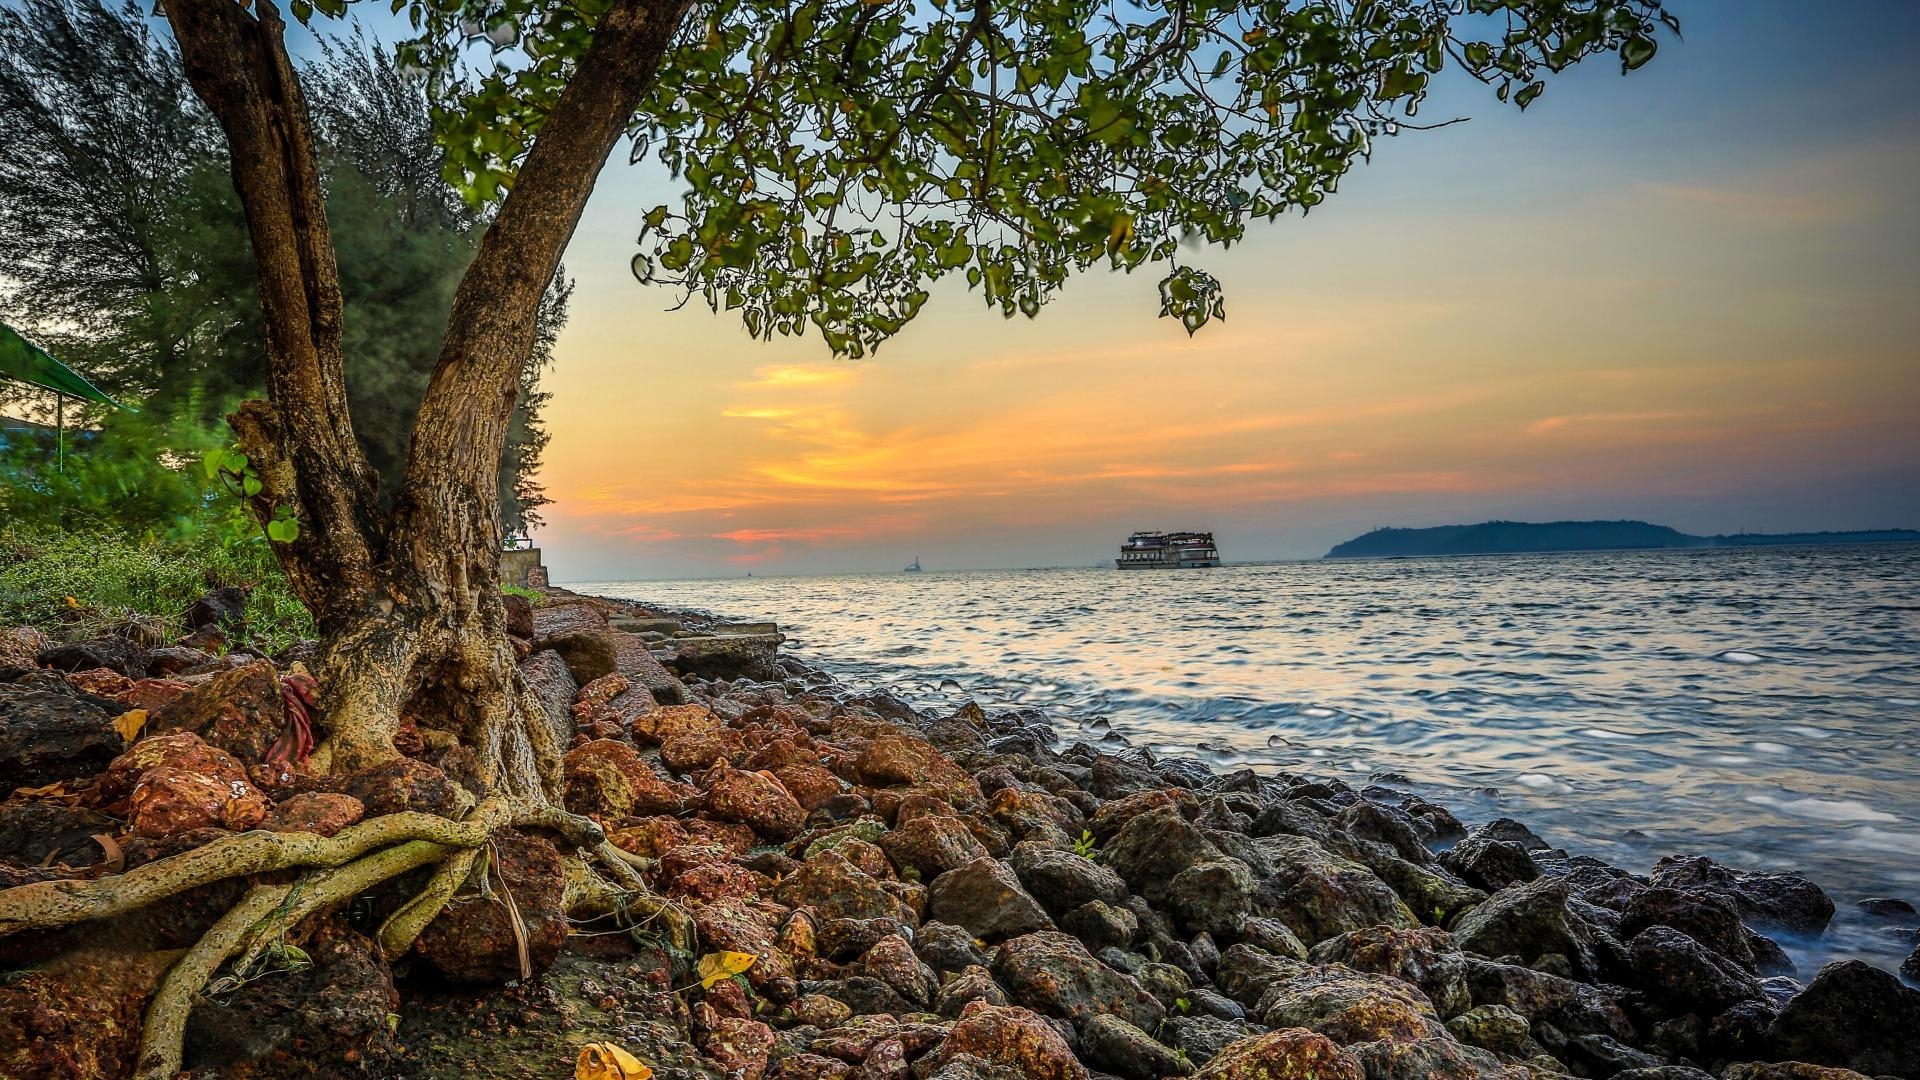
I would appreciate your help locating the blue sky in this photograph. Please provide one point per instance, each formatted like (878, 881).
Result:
(1685, 295)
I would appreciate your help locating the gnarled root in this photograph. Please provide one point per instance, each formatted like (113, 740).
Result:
(166, 1025)
(338, 869)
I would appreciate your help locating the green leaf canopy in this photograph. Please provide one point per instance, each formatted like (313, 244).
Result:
(26, 362)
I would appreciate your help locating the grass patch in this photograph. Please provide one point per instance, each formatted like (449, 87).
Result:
(76, 584)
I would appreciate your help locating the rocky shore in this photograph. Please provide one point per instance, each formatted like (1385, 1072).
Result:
(872, 894)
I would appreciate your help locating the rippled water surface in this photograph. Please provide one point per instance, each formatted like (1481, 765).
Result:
(1758, 706)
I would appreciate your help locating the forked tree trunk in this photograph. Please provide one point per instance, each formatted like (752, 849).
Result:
(407, 603)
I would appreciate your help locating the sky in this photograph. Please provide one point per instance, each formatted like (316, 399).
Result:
(1690, 295)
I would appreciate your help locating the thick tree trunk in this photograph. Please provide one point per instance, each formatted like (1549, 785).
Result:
(408, 605)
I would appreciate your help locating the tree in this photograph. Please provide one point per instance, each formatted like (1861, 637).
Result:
(837, 155)
(127, 248)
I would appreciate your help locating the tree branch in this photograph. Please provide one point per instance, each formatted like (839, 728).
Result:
(237, 63)
(448, 511)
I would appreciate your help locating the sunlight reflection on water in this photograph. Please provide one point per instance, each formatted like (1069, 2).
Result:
(1757, 705)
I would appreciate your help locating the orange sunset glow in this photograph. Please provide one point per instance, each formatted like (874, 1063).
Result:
(1686, 297)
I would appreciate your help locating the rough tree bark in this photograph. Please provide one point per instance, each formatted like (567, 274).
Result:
(407, 602)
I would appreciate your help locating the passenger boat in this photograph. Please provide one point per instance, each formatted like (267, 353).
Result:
(1168, 551)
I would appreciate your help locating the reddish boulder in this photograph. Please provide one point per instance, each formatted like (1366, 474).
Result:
(403, 784)
(152, 694)
(169, 801)
(739, 1047)
(651, 838)
(754, 799)
(691, 751)
(564, 618)
(598, 692)
(835, 888)
(322, 812)
(892, 961)
(931, 845)
(100, 682)
(656, 727)
(605, 777)
(183, 750)
(240, 711)
(474, 939)
(1012, 1038)
(1291, 1053)
(77, 1018)
(810, 785)
(902, 760)
(20, 644)
(744, 926)
(1035, 814)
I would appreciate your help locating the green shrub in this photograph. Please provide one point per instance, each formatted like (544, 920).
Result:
(75, 583)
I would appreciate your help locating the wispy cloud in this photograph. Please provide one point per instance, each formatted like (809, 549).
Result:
(780, 376)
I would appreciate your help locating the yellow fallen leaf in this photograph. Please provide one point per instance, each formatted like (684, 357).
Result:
(607, 1061)
(129, 723)
(721, 965)
(72, 603)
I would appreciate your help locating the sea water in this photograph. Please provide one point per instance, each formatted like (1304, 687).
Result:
(1758, 706)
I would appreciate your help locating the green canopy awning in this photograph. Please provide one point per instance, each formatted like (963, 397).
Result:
(29, 363)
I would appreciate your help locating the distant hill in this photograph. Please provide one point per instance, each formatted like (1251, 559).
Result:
(1508, 537)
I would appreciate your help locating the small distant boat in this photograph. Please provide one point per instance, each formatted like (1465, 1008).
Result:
(1168, 551)
(912, 567)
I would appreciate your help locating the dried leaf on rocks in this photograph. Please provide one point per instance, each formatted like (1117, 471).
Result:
(129, 723)
(722, 965)
(116, 859)
(606, 1061)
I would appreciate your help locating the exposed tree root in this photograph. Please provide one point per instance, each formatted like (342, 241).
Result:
(405, 926)
(338, 869)
(165, 1029)
(315, 892)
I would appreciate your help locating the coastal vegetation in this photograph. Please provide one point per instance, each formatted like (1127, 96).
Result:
(126, 253)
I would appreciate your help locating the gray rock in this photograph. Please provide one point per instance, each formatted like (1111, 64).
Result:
(1202, 1037)
(633, 660)
(1053, 974)
(1063, 880)
(1100, 925)
(728, 656)
(1213, 896)
(1487, 862)
(554, 686)
(53, 734)
(1425, 957)
(588, 654)
(1686, 976)
(985, 897)
(112, 653)
(946, 947)
(1496, 1028)
(1570, 1006)
(1852, 1015)
(1787, 901)
(1113, 1044)
(1428, 1059)
(1531, 921)
(1349, 1006)
(1319, 894)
